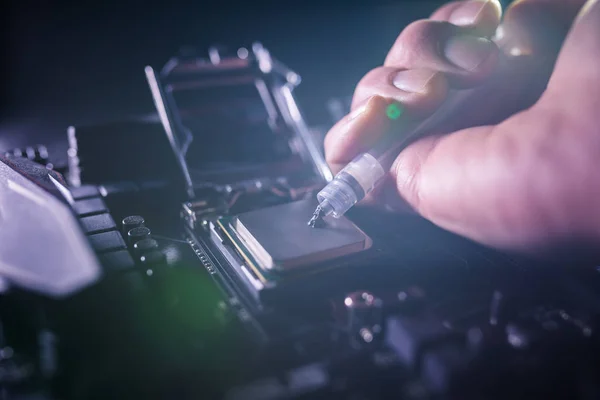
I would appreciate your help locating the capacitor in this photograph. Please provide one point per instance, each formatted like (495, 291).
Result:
(136, 234)
(145, 246)
(132, 221)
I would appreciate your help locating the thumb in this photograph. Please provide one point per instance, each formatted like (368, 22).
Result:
(475, 181)
(529, 182)
(478, 182)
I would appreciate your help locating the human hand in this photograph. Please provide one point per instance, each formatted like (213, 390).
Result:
(519, 180)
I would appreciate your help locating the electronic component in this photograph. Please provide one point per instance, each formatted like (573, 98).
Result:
(130, 222)
(37, 154)
(98, 223)
(58, 260)
(107, 241)
(88, 207)
(84, 192)
(198, 99)
(302, 258)
(137, 234)
(278, 237)
(145, 246)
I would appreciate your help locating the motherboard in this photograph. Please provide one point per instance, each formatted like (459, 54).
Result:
(169, 258)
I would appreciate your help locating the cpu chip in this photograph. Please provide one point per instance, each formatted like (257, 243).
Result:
(279, 239)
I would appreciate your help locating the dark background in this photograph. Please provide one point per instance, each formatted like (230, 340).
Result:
(72, 62)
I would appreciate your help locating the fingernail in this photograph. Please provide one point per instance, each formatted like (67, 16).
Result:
(468, 13)
(468, 52)
(413, 81)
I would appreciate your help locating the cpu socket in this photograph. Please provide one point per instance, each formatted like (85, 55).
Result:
(274, 245)
(246, 157)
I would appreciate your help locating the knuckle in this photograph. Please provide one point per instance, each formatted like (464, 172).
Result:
(415, 41)
(376, 82)
(421, 31)
(372, 80)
